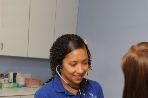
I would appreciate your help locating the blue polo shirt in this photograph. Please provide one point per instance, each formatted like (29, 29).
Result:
(55, 89)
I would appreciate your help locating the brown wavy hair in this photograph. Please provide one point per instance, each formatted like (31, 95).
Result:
(135, 69)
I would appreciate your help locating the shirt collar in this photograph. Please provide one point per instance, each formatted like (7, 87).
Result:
(58, 86)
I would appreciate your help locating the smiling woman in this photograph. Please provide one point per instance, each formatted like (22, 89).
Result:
(70, 61)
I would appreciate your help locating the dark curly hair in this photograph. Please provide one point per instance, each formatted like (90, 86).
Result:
(64, 45)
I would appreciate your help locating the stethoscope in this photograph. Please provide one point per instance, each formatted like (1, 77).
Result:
(81, 92)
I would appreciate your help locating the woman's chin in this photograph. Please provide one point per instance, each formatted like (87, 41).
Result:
(77, 83)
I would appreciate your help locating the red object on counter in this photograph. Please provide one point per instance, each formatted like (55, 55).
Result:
(29, 82)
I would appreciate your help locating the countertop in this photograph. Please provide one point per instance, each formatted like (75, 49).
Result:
(17, 91)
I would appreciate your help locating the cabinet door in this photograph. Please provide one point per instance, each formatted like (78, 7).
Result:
(66, 17)
(14, 23)
(42, 18)
(29, 96)
(1, 22)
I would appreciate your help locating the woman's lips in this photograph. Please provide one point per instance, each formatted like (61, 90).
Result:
(78, 78)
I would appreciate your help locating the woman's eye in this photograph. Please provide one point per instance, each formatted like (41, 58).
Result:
(85, 63)
(73, 65)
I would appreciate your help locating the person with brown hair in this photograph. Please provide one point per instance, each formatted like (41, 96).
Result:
(135, 69)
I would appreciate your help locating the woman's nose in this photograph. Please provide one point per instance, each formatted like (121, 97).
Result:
(80, 69)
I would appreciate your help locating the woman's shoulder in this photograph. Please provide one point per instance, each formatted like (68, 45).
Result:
(48, 90)
(94, 84)
(44, 90)
(46, 86)
(93, 89)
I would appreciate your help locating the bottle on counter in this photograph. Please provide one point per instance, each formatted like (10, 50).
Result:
(2, 78)
(20, 80)
(6, 79)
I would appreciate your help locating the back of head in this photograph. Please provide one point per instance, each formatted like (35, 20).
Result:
(135, 68)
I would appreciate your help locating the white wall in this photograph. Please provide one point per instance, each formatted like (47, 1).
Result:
(110, 27)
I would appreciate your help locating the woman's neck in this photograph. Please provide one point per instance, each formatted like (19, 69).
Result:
(69, 88)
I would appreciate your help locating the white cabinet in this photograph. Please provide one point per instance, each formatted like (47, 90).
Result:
(48, 20)
(66, 17)
(14, 15)
(42, 18)
(29, 27)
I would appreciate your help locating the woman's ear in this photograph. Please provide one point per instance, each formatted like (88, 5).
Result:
(61, 67)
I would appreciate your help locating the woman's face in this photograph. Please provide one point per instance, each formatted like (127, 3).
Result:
(75, 65)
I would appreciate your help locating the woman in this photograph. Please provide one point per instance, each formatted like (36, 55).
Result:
(70, 61)
(135, 69)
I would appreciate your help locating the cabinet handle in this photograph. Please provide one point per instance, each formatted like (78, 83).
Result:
(1, 46)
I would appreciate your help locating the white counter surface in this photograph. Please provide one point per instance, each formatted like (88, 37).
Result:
(17, 91)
